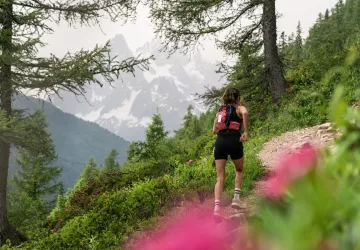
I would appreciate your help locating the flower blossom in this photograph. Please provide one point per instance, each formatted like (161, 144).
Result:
(292, 166)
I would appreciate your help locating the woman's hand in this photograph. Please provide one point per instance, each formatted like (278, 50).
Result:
(244, 137)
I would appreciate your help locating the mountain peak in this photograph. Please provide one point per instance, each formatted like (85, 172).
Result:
(169, 85)
(120, 48)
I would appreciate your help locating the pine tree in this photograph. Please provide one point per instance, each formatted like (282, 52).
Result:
(22, 23)
(282, 41)
(33, 187)
(110, 162)
(298, 49)
(248, 75)
(182, 23)
(180, 134)
(320, 18)
(90, 171)
(194, 129)
(61, 189)
(327, 14)
(136, 151)
(36, 177)
(188, 117)
(155, 133)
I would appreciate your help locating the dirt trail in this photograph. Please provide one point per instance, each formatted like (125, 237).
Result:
(319, 136)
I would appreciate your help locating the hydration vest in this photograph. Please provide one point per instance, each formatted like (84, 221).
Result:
(224, 118)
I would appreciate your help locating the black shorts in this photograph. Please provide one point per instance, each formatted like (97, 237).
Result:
(226, 145)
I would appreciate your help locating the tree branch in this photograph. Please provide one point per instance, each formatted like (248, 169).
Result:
(73, 72)
(182, 22)
(83, 11)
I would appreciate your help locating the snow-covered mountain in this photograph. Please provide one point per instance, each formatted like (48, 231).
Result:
(127, 107)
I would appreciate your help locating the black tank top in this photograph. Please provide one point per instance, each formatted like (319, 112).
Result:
(233, 117)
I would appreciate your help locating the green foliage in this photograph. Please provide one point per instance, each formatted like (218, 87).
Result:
(192, 126)
(334, 182)
(23, 23)
(110, 162)
(105, 207)
(75, 140)
(112, 217)
(33, 186)
(91, 171)
(155, 132)
(26, 132)
(155, 136)
(26, 213)
(36, 178)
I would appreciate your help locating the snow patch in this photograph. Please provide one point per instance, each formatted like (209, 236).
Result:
(92, 116)
(156, 97)
(163, 71)
(191, 70)
(145, 121)
(123, 112)
(95, 97)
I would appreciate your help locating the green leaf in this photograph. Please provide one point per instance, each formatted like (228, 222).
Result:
(338, 107)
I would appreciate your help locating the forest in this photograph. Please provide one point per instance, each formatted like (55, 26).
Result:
(288, 83)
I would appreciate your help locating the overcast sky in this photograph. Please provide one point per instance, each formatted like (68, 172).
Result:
(138, 33)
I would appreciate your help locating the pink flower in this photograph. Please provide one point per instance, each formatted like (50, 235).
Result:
(292, 166)
(196, 231)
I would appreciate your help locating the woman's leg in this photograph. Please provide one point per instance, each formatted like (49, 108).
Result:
(220, 171)
(239, 166)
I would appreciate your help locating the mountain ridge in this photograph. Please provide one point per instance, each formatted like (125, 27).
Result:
(75, 140)
(126, 107)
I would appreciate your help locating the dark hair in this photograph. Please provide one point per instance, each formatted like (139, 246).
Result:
(231, 96)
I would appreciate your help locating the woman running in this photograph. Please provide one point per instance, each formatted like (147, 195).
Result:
(227, 125)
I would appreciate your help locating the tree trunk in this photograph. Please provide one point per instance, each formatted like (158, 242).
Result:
(6, 231)
(274, 70)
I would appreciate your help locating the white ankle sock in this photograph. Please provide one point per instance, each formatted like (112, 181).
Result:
(237, 193)
(217, 205)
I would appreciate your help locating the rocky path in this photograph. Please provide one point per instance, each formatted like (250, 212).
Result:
(319, 136)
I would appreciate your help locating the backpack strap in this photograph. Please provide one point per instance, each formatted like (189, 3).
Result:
(229, 116)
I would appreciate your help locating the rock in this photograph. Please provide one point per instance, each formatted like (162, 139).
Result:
(325, 126)
(319, 133)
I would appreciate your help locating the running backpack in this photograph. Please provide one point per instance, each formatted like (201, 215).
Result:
(223, 118)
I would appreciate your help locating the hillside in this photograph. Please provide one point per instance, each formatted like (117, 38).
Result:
(167, 181)
(76, 140)
(169, 85)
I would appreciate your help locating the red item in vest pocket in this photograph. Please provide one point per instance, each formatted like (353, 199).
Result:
(234, 125)
(221, 118)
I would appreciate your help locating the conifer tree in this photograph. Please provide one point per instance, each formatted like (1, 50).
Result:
(187, 121)
(327, 14)
(298, 48)
(36, 177)
(90, 171)
(183, 23)
(22, 24)
(155, 135)
(156, 131)
(110, 162)
(282, 41)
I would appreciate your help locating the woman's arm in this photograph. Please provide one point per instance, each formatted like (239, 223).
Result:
(215, 129)
(245, 116)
